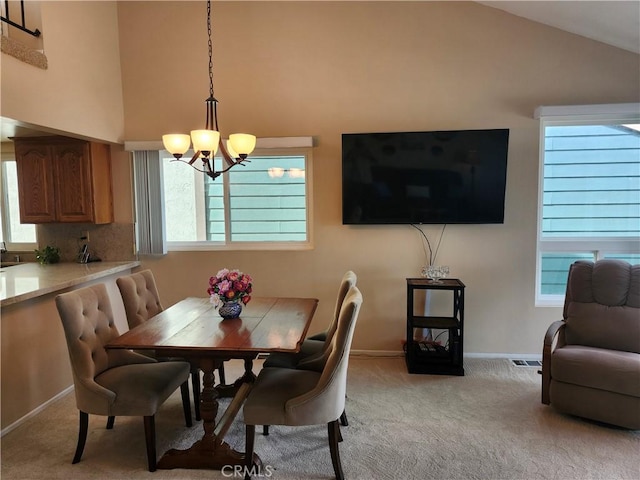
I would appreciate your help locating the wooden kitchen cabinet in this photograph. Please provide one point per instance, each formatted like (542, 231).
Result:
(63, 180)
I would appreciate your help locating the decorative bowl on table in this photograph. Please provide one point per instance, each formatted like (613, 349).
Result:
(435, 272)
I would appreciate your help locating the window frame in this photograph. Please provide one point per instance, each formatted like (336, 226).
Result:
(299, 146)
(599, 247)
(230, 245)
(5, 220)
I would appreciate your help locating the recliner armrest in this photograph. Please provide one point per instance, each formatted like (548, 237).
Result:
(552, 332)
(552, 339)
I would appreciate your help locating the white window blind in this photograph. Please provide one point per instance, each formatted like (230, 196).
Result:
(589, 200)
(266, 201)
(591, 181)
(147, 177)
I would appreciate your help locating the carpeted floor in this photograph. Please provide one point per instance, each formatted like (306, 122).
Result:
(489, 424)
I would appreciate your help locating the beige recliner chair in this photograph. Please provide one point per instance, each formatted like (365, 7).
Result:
(591, 358)
(295, 397)
(141, 302)
(114, 382)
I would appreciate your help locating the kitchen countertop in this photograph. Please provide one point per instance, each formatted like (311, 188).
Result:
(30, 280)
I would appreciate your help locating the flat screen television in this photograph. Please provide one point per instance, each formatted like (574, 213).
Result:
(424, 177)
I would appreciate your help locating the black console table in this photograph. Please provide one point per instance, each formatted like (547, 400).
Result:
(425, 357)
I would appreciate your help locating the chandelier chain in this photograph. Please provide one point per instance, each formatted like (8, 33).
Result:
(210, 48)
(208, 141)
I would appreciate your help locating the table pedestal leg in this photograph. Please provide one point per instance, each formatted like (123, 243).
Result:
(211, 451)
(227, 391)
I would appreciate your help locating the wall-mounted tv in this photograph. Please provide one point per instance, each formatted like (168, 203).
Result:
(424, 177)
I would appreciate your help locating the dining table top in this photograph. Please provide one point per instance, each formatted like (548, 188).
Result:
(266, 324)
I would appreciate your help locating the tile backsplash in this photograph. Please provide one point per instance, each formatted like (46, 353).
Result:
(111, 243)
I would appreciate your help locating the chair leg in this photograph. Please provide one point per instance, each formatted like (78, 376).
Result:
(195, 384)
(265, 430)
(150, 438)
(82, 436)
(223, 380)
(334, 435)
(186, 403)
(250, 437)
(343, 419)
(110, 421)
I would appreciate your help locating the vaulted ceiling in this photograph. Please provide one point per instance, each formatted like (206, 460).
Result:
(615, 23)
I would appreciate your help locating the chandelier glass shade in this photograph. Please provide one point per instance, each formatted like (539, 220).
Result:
(205, 141)
(208, 141)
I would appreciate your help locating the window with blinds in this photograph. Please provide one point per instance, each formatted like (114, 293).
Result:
(591, 181)
(264, 203)
(590, 191)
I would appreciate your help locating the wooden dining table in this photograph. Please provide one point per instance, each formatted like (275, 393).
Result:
(192, 329)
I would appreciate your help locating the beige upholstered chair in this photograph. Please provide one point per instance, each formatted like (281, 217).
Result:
(295, 397)
(114, 382)
(315, 350)
(591, 358)
(141, 302)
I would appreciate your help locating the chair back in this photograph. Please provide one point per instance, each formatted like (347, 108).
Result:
(349, 280)
(602, 305)
(326, 401)
(88, 323)
(140, 297)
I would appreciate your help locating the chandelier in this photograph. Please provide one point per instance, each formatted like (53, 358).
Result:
(207, 142)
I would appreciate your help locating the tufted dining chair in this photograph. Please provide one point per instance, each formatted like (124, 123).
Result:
(315, 350)
(296, 397)
(141, 302)
(114, 382)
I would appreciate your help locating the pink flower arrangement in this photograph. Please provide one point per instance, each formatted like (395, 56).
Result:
(230, 286)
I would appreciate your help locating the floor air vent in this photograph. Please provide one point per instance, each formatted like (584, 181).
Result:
(527, 363)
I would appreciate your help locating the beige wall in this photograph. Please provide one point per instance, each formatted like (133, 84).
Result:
(81, 91)
(79, 94)
(324, 68)
(35, 360)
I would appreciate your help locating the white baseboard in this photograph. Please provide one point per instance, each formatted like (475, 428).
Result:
(376, 353)
(521, 356)
(400, 353)
(35, 411)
